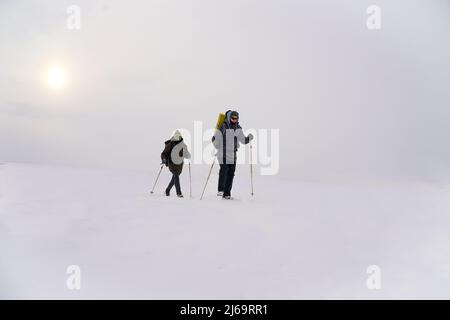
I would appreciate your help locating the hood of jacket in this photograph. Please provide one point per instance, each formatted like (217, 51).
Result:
(228, 118)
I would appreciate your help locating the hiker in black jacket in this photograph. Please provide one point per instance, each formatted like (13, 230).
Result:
(173, 156)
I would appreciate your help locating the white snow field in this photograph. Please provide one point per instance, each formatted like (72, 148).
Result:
(293, 240)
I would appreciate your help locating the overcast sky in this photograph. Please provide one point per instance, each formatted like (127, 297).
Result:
(349, 102)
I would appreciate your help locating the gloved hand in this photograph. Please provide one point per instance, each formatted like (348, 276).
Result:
(250, 137)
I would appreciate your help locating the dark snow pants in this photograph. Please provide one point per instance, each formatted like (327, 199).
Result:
(175, 181)
(226, 176)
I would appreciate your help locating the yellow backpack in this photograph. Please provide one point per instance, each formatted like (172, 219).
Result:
(220, 120)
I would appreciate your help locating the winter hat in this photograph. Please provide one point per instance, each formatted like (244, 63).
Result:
(230, 114)
(234, 114)
(176, 136)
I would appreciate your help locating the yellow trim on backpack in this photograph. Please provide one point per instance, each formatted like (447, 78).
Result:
(220, 120)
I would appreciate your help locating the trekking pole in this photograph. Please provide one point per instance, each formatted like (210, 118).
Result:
(153, 189)
(207, 179)
(190, 181)
(251, 167)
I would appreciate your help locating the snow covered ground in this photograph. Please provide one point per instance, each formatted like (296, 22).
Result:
(293, 240)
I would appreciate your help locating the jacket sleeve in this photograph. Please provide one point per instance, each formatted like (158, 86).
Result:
(186, 152)
(241, 137)
(165, 153)
(218, 137)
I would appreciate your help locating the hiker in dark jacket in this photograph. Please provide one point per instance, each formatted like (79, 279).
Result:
(227, 139)
(173, 156)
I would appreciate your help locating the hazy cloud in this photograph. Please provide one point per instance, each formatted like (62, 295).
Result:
(349, 102)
